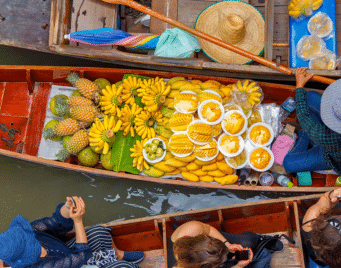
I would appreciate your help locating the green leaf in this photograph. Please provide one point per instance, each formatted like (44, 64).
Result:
(120, 153)
(138, 101)
(137, 76)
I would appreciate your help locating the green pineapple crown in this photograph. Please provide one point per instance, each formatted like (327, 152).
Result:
(48, 133)
(72, 78)
(61, 106)
(63, 155)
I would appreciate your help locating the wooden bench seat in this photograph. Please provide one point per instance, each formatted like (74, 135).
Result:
(153, 258)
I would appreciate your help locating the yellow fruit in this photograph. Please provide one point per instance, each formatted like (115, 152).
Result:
(224, 167)
(177, 84)
(196, 81)
(78, 100)
(189, 87)
(234, 123)
(173, 94)
(229, 179)
(204, 163)
(200, 132)
(216, 173)
(144, 123)
(206, 178)
(211, 111)
(78, 142)
(175, 172)
(238, 160)
(154, 172)
(216, 130)
(186, 102)
(260, 158)
(208, 96)
(260, 135)
(111, 100)
(128, 114)
(207, 150)
(193, 166)
(220, 157)
(168, 156)
(174, 79)
(186, 159)
(210, 167)
(183, 169)
(84, 113)
(162, 166)
(175, 163)
(85, 86)
(230, 144)
(155, 96)
(130, 87)
(254, 118)
(189, 176)
(199, 172)
(179, 121)
(137, 153)
(66, 127)
(180, 144)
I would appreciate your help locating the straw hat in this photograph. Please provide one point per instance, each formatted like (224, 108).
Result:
(235, 22)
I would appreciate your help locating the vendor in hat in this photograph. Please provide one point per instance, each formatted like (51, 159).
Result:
(235, 22)
(319, 141)
(43, 243)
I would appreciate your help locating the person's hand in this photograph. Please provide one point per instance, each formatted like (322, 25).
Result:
(235, 247)
(334, 195)
(302, 77)
(77, 213)
(69, 202)
(245, 263)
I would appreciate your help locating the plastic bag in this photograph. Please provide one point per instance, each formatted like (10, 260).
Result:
(247, 94)
(300, 8)
(326, 61)
(270, 114)
(321, 25)
(309, 47)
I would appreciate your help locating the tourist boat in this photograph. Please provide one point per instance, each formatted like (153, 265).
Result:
(55, 18)
(277, 216)
(24, 95)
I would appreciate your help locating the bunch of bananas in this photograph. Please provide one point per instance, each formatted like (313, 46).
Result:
(303, 7)
(102, 134)
(144, 123)
(249, 91)
(128, 116)
(130, 87)
(155, 96)
(137, 154)
(111, 100)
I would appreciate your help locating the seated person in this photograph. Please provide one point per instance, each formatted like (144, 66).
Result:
(195, 245)
(42, 243)
(319, 140)
(321, 231)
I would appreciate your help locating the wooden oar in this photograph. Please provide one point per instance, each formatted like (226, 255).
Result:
(212, 39)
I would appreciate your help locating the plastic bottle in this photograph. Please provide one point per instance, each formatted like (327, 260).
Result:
(243, 175)
(287, 107)
(282, 180)
(266, 179)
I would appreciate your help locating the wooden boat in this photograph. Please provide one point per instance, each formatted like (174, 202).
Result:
(65, 18)
(281, 216)
(24, 93)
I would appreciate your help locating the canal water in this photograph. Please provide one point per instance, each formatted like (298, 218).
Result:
(34, 190)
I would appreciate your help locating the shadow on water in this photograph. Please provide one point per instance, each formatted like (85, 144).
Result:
(34, 190)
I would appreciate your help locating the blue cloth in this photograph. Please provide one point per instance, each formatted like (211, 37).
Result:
(312, 264)
(18, 245)
(325, 143)
(49, 231)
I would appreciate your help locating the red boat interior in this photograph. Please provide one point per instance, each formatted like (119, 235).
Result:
(24, 93)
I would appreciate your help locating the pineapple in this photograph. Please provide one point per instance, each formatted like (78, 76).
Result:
(77, 143)
(78, 100)
(85, 86)
(84, 113)
(65, 127)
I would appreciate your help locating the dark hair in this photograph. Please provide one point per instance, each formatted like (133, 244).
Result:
(200, 251)
(325, 239)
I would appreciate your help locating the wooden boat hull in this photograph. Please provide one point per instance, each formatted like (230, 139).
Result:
(24, 92)
(276, 49)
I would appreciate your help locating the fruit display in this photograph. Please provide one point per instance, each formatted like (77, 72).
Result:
(320, 24)
(303, 7)
(309, 46)
(155, 127)
(260, 134)
(234, 123)
(260, 158)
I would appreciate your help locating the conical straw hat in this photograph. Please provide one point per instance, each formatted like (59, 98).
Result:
(235, 22)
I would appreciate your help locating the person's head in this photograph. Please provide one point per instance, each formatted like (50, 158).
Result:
(326, 237)
(18, 245)
(200, 251)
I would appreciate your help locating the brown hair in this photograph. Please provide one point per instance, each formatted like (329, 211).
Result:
(200, 251)
(326, 239)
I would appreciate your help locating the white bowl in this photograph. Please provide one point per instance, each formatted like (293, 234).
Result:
(241, 146)
(201, 106)
(158, 159)
(212, 92)
(195, 141)
(238, 167)
(231, 112)
(270, 163)
(272, 134)
(183, 111)
(176, 154)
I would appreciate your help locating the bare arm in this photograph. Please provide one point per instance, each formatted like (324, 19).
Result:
(324, 203)
(77, 216)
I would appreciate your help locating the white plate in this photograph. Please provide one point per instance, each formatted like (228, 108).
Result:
(270, 163)
(176, 154)
(183, 111)
(264, 125)
(204, 119)
(245, 123)
(158, 159)
(241, 146)
(195, 141)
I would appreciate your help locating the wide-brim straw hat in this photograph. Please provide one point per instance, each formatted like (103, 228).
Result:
(223, 20)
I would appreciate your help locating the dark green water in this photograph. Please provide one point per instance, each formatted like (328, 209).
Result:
(34, 190)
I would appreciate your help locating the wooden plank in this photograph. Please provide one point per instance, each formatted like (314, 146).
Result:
(138, 241)
(165, 241)
(16, 100)
(168, 8)
(298, 230)
(269, 28)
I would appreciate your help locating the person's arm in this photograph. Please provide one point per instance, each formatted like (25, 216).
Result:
(76, 215)
(327, 201)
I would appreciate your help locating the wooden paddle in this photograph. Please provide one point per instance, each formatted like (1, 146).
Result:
(146, 10)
